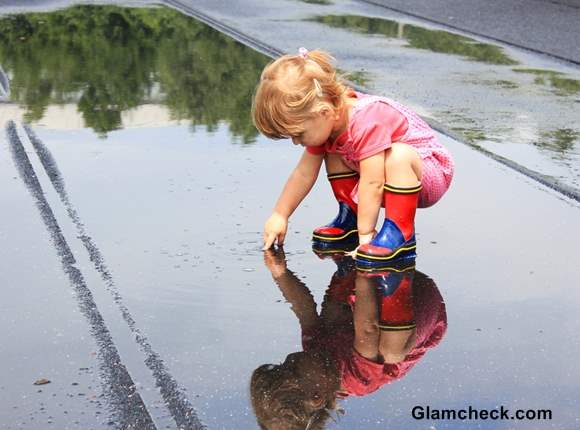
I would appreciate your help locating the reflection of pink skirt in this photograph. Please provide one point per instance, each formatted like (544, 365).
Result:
(437, 173)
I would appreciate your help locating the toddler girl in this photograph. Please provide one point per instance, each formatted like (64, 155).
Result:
(375, 150)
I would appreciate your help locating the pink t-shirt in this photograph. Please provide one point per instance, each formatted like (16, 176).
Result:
(369, 131)
(375, 123)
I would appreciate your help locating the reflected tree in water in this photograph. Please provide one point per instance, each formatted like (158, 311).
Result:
(109, 59)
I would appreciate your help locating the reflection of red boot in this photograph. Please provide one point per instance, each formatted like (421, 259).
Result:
(396, 240)
(396, 295)
(342, 231)
(341, 288)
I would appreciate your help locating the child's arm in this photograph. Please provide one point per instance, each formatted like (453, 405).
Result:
(297, 187)
(293, 289)
(370, 194)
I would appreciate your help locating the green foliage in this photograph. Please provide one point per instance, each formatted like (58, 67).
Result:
(358, 77)
(561, 85)
(560, 140)
(472, 134)
(111, 59)
(420, 37)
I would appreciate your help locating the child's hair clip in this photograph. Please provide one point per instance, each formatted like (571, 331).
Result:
(303, 52)
(318, 87)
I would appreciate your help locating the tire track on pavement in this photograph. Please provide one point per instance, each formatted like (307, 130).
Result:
(128, 409)
(175, 400)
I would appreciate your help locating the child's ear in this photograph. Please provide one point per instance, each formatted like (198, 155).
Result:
(326, 111)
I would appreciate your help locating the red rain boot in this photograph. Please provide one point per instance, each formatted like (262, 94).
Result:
(342, 231)
(396, 296)
(396, 240)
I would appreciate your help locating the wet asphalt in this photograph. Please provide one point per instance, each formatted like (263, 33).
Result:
(177, 227)
(492, 96)
(134, 283)
(543, 26)
(513, 104)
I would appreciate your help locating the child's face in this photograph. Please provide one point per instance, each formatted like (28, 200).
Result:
(317, 129)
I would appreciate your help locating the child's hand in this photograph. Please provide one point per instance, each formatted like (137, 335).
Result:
(275, 230)
(363, 239)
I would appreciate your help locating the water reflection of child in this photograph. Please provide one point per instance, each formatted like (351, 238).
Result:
(364, 338)
(401, 163)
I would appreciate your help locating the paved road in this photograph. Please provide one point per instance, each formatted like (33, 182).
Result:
(542, 133)
(547, 26)
(202, 296)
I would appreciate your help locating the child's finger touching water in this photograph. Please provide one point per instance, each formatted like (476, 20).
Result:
(274, 230)
(280, 239)
(268, 241)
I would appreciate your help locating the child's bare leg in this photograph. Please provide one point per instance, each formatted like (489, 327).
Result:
(402, 166)
(342, 231)
(395, 345)
(366, 319)
(396, 239)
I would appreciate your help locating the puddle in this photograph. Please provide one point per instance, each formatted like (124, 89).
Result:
(142, 110)
(371, 330)
(421, 38)
(107, 67)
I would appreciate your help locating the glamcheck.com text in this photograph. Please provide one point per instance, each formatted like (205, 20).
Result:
(474, 414)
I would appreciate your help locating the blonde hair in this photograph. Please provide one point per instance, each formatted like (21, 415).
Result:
(291, 89)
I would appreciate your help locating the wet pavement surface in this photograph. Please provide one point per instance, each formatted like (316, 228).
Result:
(519, 106)
(545, 26)
(496, 97)
(133, 279)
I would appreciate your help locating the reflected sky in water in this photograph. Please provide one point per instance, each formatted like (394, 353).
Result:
(108, 61)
